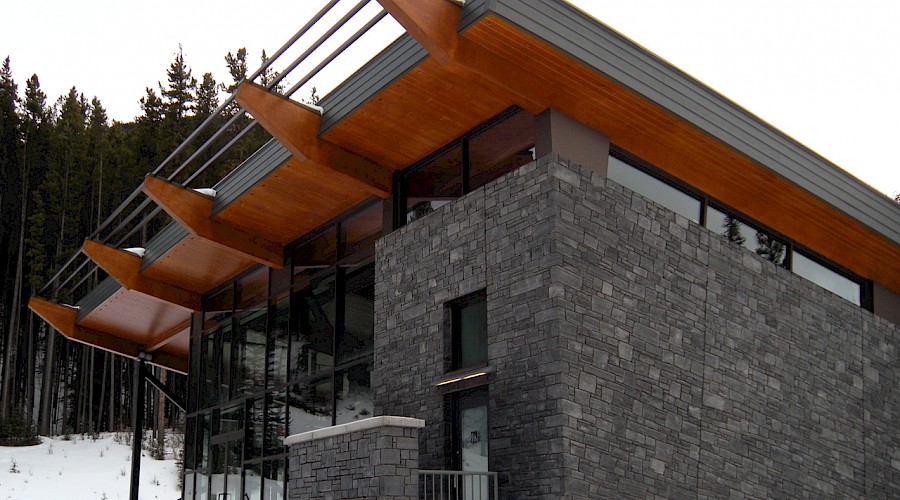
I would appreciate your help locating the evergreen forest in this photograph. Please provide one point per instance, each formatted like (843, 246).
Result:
(65, 167)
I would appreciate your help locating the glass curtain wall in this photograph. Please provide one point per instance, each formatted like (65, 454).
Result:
(279, 352)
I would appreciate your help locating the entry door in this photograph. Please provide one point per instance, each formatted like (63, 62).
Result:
(472, 441)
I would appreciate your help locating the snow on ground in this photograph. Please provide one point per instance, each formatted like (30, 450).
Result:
(82, 469)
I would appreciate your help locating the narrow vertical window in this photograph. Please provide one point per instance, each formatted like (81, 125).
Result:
(469, 331)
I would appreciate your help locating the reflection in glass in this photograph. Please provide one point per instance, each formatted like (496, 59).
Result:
(203, 428)
(276, 427)
(654, 189)
(233, 469)
(309, 405)
(188, 484)
(826, 278)
(201, 487)
(359, 232)
(726, 225)
(316, 254)
(278, 353)
(253, 478)
(216, 325)
(737, 231)
(501, 149)
(255, 428)
(359, 314)
(469, 323)
(230, 420)
(274, 480)
(435, 184)
(353, 392)
(312, 338)
(250, 350)
(217, 470)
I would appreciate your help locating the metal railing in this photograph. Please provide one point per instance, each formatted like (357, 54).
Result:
(328, 34)
(458, 485)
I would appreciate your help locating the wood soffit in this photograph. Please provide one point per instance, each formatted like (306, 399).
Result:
(63, 319)
(494, 65)
(192, 210)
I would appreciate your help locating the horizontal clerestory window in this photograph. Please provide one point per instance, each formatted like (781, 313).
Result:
(649, 183)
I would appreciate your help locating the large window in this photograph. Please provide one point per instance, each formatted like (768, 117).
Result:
(281, 352)
(491, 150)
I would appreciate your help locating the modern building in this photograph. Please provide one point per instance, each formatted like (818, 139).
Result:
(516, 244)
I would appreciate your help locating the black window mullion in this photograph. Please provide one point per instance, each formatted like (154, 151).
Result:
(466, 181)
(340, 289)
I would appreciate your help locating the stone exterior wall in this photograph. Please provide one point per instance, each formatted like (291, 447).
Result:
(344, 463)
(635, 353)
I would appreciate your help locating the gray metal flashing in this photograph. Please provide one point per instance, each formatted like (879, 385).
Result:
(162, 242)
(248, 174)
(389, 65)
(615, 56)
(97, 296)
(472, 12)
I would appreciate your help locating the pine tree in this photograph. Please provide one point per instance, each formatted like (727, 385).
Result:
(207, 96)
(179, 93)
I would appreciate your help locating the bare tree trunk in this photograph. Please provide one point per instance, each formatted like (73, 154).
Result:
(47, 385)
(102, 401)
(12, 335)
(90, 405)
(29, 372)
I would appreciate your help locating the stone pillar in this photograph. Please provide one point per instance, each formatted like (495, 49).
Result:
(555, 132)
(373, 458)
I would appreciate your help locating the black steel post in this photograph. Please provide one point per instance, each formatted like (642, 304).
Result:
(137, 427)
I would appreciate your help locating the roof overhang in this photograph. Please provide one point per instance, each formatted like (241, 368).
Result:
(540, 54)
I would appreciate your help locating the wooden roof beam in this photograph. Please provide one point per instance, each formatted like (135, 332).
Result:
(125, 267)
(433, 23)
(192, 210)
(296, 127)
(63, 319)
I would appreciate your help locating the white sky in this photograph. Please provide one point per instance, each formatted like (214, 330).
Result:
(826, 72)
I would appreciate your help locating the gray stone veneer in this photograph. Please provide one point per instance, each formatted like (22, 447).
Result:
(635, 353)
(376, 458)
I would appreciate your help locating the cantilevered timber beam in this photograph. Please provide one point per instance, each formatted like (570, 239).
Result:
(162, 339)
(63, 319)
(296, 127)
(125, 267)
(192, 210)
(433, 23)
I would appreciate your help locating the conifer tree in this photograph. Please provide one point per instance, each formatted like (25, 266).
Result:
(179, 93)
(207, 96)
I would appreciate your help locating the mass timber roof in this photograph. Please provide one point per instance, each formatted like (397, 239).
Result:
(541, 54)
(456, 68)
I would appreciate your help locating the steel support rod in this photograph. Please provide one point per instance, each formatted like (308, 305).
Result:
(161, 387)
(137, 426)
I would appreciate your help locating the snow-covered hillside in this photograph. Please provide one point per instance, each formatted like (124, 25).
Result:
(82, 469)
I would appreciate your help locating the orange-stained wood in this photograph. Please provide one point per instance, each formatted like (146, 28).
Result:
(432, 23)
(167, 337)
(125, 268)
(197, 264)
(62, 319)
(293, 200)
(192, 210)
(296, 127)
(497, 65)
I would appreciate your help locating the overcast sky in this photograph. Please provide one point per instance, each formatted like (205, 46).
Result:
(825, 72)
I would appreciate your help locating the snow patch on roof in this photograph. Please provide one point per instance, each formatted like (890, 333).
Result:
(139, 251)
(206, 191)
